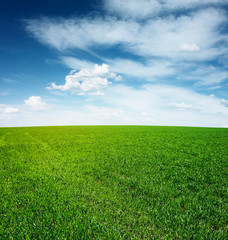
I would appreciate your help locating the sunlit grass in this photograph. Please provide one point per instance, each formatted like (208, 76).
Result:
(112, 182)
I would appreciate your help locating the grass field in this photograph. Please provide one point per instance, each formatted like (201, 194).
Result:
(113, 182)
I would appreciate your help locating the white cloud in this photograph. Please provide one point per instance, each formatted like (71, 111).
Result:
(79, 33)
(206, 75)
(8, 80)
(72, 71)
(75, 63)
(215, 78)
(107, 114)
(165, 102)
(87, 80)
(215, 87)
(149, 105)
(36, 103)
(168, 45)
(153, 70)
(147, 114)
(160, 37)
(224, 102)
(149, 70)
(96, 93)
(165, 43)
(133, 8)
(189, 47)
(8, 113)
(149, 117)
(147, 8)
(11, 110)
(182, 106)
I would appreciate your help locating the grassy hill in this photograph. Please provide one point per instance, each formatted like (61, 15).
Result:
(113, 182)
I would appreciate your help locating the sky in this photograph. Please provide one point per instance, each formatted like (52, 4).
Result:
(114, 62)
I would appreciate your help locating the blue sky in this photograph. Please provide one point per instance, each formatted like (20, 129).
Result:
(109, 62)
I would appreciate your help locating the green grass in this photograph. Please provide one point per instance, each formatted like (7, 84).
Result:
(113, 182)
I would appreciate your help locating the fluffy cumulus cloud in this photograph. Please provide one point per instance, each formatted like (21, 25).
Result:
(87, 80)
(36, 103)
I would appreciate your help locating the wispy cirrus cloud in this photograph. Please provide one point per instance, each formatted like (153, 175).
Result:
(151, 70)
(206, 75)
(75, 63)
(149, 8)
(9, 80)
(160, 37)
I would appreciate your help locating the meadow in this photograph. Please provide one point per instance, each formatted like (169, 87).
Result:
(113, 182)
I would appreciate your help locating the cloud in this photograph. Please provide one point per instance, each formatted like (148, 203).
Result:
(215, 87)
(149, 70)
(8, 80)
(8, 113)
(122, 105)
(152, 41)
(147, 114)
(78, 33)
(75, 63)
(87, 80)
(147, 8)
(206, 75)
(165, 103)
(134, 8)
(149, 117)
(224, 102)
(154, 37)
(164, 44)
(189, 47)
(11, 110)
(153, 70)
(36, 103)
(182, 106)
